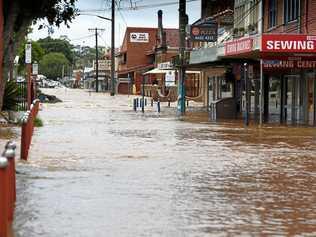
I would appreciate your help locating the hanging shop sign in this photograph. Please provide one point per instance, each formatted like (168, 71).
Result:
(139, 37)
(288, 43)
(206, 31)
(289, 64)
(243, 45)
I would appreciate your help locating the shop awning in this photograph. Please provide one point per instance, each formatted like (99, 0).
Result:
(164, 71)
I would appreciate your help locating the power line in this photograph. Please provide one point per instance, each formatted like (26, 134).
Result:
(135, 7)
(122, 17)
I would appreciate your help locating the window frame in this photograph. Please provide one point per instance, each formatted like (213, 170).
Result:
(272, 13)
(291, 10)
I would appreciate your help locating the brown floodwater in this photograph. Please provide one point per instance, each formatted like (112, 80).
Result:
(97, 168)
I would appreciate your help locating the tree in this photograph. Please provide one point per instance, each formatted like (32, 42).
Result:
(16, 17)
(51, 45)
(52, 65)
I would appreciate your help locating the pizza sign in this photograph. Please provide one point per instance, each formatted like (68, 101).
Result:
(206, 31)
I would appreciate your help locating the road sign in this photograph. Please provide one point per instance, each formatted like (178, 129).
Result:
(28, 53)
(35, 69)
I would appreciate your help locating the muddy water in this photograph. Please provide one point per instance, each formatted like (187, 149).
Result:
(99, 169)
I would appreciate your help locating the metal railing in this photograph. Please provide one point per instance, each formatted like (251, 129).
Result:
(7, 188)
(28, 128)
(22, 97)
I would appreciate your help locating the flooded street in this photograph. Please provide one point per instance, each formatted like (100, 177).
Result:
(97, 168)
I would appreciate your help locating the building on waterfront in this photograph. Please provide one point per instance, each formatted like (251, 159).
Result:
(271, 48)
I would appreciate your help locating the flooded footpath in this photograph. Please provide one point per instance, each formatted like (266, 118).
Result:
(98, 169)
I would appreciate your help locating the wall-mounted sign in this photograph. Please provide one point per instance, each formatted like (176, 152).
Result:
(139, 37)
(288, 43)
(243, 45)
(206, 31)
(170, 78)
(289, 64)
(28, 53)
(165, 66)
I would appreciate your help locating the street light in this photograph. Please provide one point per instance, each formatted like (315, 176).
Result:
(112, 44)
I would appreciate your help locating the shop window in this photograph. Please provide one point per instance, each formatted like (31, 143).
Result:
(291, 8)
(226, 88)
(272, 13)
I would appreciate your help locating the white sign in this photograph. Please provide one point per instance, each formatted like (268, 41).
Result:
(35, 69)
(165, 66)
(28, 53)
(103, 65)
(139, 37)
(170, 78)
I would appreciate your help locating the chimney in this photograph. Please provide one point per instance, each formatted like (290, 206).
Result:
(161, 33)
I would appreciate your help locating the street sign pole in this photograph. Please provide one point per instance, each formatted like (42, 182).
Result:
(28, 61)
(113, 49)
(182, 32)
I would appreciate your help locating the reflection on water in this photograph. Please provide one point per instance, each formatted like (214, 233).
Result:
(99, 169)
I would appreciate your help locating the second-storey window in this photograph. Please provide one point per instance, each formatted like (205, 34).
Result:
(291, 8)
(272, 13)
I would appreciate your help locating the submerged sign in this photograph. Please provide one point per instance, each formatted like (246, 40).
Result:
(289, 43)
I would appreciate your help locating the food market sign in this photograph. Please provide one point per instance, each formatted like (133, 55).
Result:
(206, 31)
(243, 45)
(139, 37)
(288, 43)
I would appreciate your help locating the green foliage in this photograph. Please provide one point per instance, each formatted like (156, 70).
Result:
(38, 122)
(51, 45)
(52, 65)
(54, 11)
(86, 55)
(11, 93)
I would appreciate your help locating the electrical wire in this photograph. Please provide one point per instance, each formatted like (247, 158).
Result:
(136, 7)
(123, 18)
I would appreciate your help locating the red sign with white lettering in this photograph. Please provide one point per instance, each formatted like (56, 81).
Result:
(288, 43)
(238, 46)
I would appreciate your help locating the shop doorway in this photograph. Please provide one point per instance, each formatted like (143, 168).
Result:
(299, 107)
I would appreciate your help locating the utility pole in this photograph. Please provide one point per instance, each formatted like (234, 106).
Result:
(96, 58)
(113, 49)
(183, 21)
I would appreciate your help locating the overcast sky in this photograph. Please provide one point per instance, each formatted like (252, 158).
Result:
(78, 32)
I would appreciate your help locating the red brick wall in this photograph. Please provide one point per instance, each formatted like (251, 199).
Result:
(311, 17)
(136, 52)
(308, 17)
